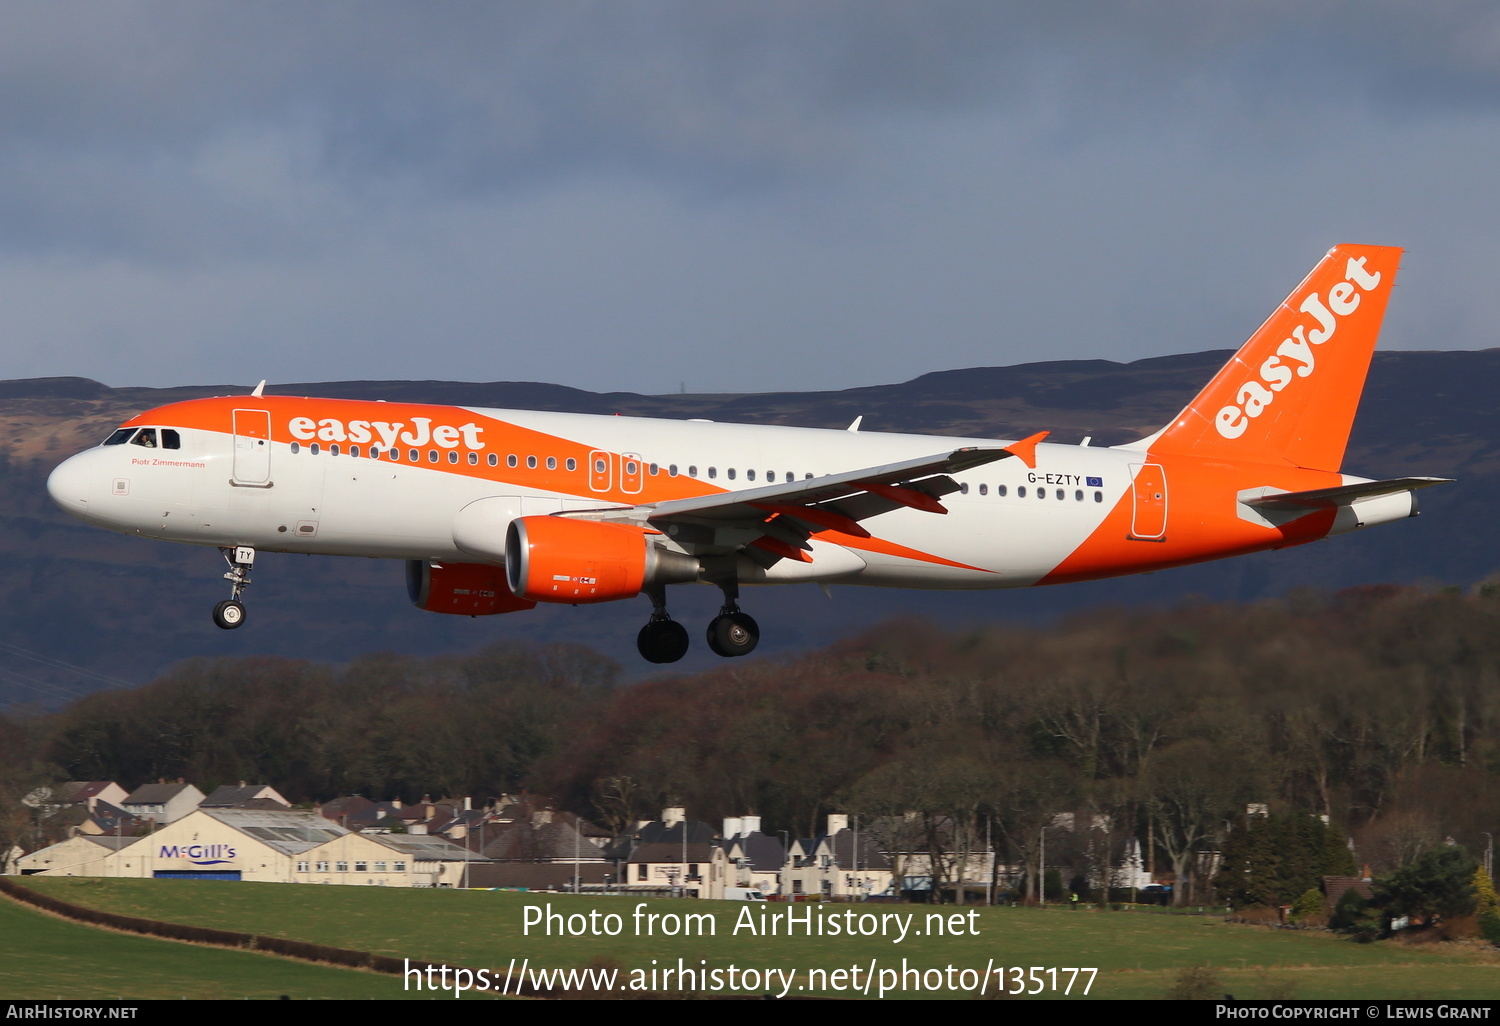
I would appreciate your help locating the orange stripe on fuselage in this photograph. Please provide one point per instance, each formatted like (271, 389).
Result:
(334, 416)
(1202, 522)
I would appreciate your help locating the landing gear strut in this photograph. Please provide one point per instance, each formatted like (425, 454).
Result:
(732, 633)
(230, 613)
(663, 639)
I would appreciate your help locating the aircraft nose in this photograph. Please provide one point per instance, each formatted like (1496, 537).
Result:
(69, 485)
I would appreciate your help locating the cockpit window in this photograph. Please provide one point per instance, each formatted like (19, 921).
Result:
(147, 437)
(170, 439)
(120, 437)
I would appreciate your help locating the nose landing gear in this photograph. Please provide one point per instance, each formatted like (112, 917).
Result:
(230, 613)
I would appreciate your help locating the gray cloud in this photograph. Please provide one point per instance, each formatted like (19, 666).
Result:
(628, 195)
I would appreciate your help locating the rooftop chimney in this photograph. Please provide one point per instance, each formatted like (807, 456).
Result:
(672, 815)
(837, 821)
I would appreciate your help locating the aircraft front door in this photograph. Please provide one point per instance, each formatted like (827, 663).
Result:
(1150, 520)
(252, 448)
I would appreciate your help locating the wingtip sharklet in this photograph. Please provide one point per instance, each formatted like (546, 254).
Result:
(1025, 449)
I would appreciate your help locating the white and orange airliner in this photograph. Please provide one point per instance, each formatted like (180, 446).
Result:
(497, 510)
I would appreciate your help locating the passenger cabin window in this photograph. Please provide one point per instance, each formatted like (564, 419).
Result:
(313, 448)
(551, 462)
(452, 456)
(749, 475)
(572, 464)
(531, 463)
(494, 460)
(296, 447)
(333, 450)
(1000, 491)
(473, 459)
(671, 470)
(984, 489)
(692, 471)
(120, 436)
(713, 472)
(963, 488)
(147, 438)
(1021, 492)
(730, 472)
(415, 455)
(511, 461)
(354, 450)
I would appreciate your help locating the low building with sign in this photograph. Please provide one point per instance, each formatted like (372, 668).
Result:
(266, 845)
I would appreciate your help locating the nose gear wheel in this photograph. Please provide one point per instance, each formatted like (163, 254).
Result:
(229, 614)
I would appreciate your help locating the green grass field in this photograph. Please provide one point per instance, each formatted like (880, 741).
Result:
(1137, 955)
(45, 958)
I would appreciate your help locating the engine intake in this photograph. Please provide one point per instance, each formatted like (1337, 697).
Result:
(557, 559)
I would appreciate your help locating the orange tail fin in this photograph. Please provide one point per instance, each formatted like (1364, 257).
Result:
(1289, 395)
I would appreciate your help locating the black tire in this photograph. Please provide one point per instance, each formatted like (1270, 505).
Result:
(662, 641)
(733, 634)
(229, 614)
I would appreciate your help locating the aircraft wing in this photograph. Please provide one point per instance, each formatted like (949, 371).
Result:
(774, 521)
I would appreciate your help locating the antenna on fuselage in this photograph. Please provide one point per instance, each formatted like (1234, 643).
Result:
(259, 389)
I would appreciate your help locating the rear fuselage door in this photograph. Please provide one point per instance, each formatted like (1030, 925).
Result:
(252, 448)
(1150, 485)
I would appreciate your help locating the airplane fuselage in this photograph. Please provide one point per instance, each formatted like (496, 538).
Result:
(579, 509)
(326, 480)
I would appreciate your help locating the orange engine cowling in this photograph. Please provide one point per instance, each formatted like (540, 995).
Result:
(556, 559)
(464, 589)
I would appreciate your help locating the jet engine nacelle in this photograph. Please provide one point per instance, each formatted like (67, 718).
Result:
(464, 589)
(557, 559)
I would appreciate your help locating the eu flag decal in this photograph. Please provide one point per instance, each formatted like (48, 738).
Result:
(1096, 482)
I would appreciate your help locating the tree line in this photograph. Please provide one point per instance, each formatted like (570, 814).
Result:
(1374, 712)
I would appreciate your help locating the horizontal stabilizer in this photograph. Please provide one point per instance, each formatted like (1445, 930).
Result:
(1339, 495)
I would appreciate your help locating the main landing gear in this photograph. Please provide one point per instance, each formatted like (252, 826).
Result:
(732, 633)
(664, 640)
(230, 613)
